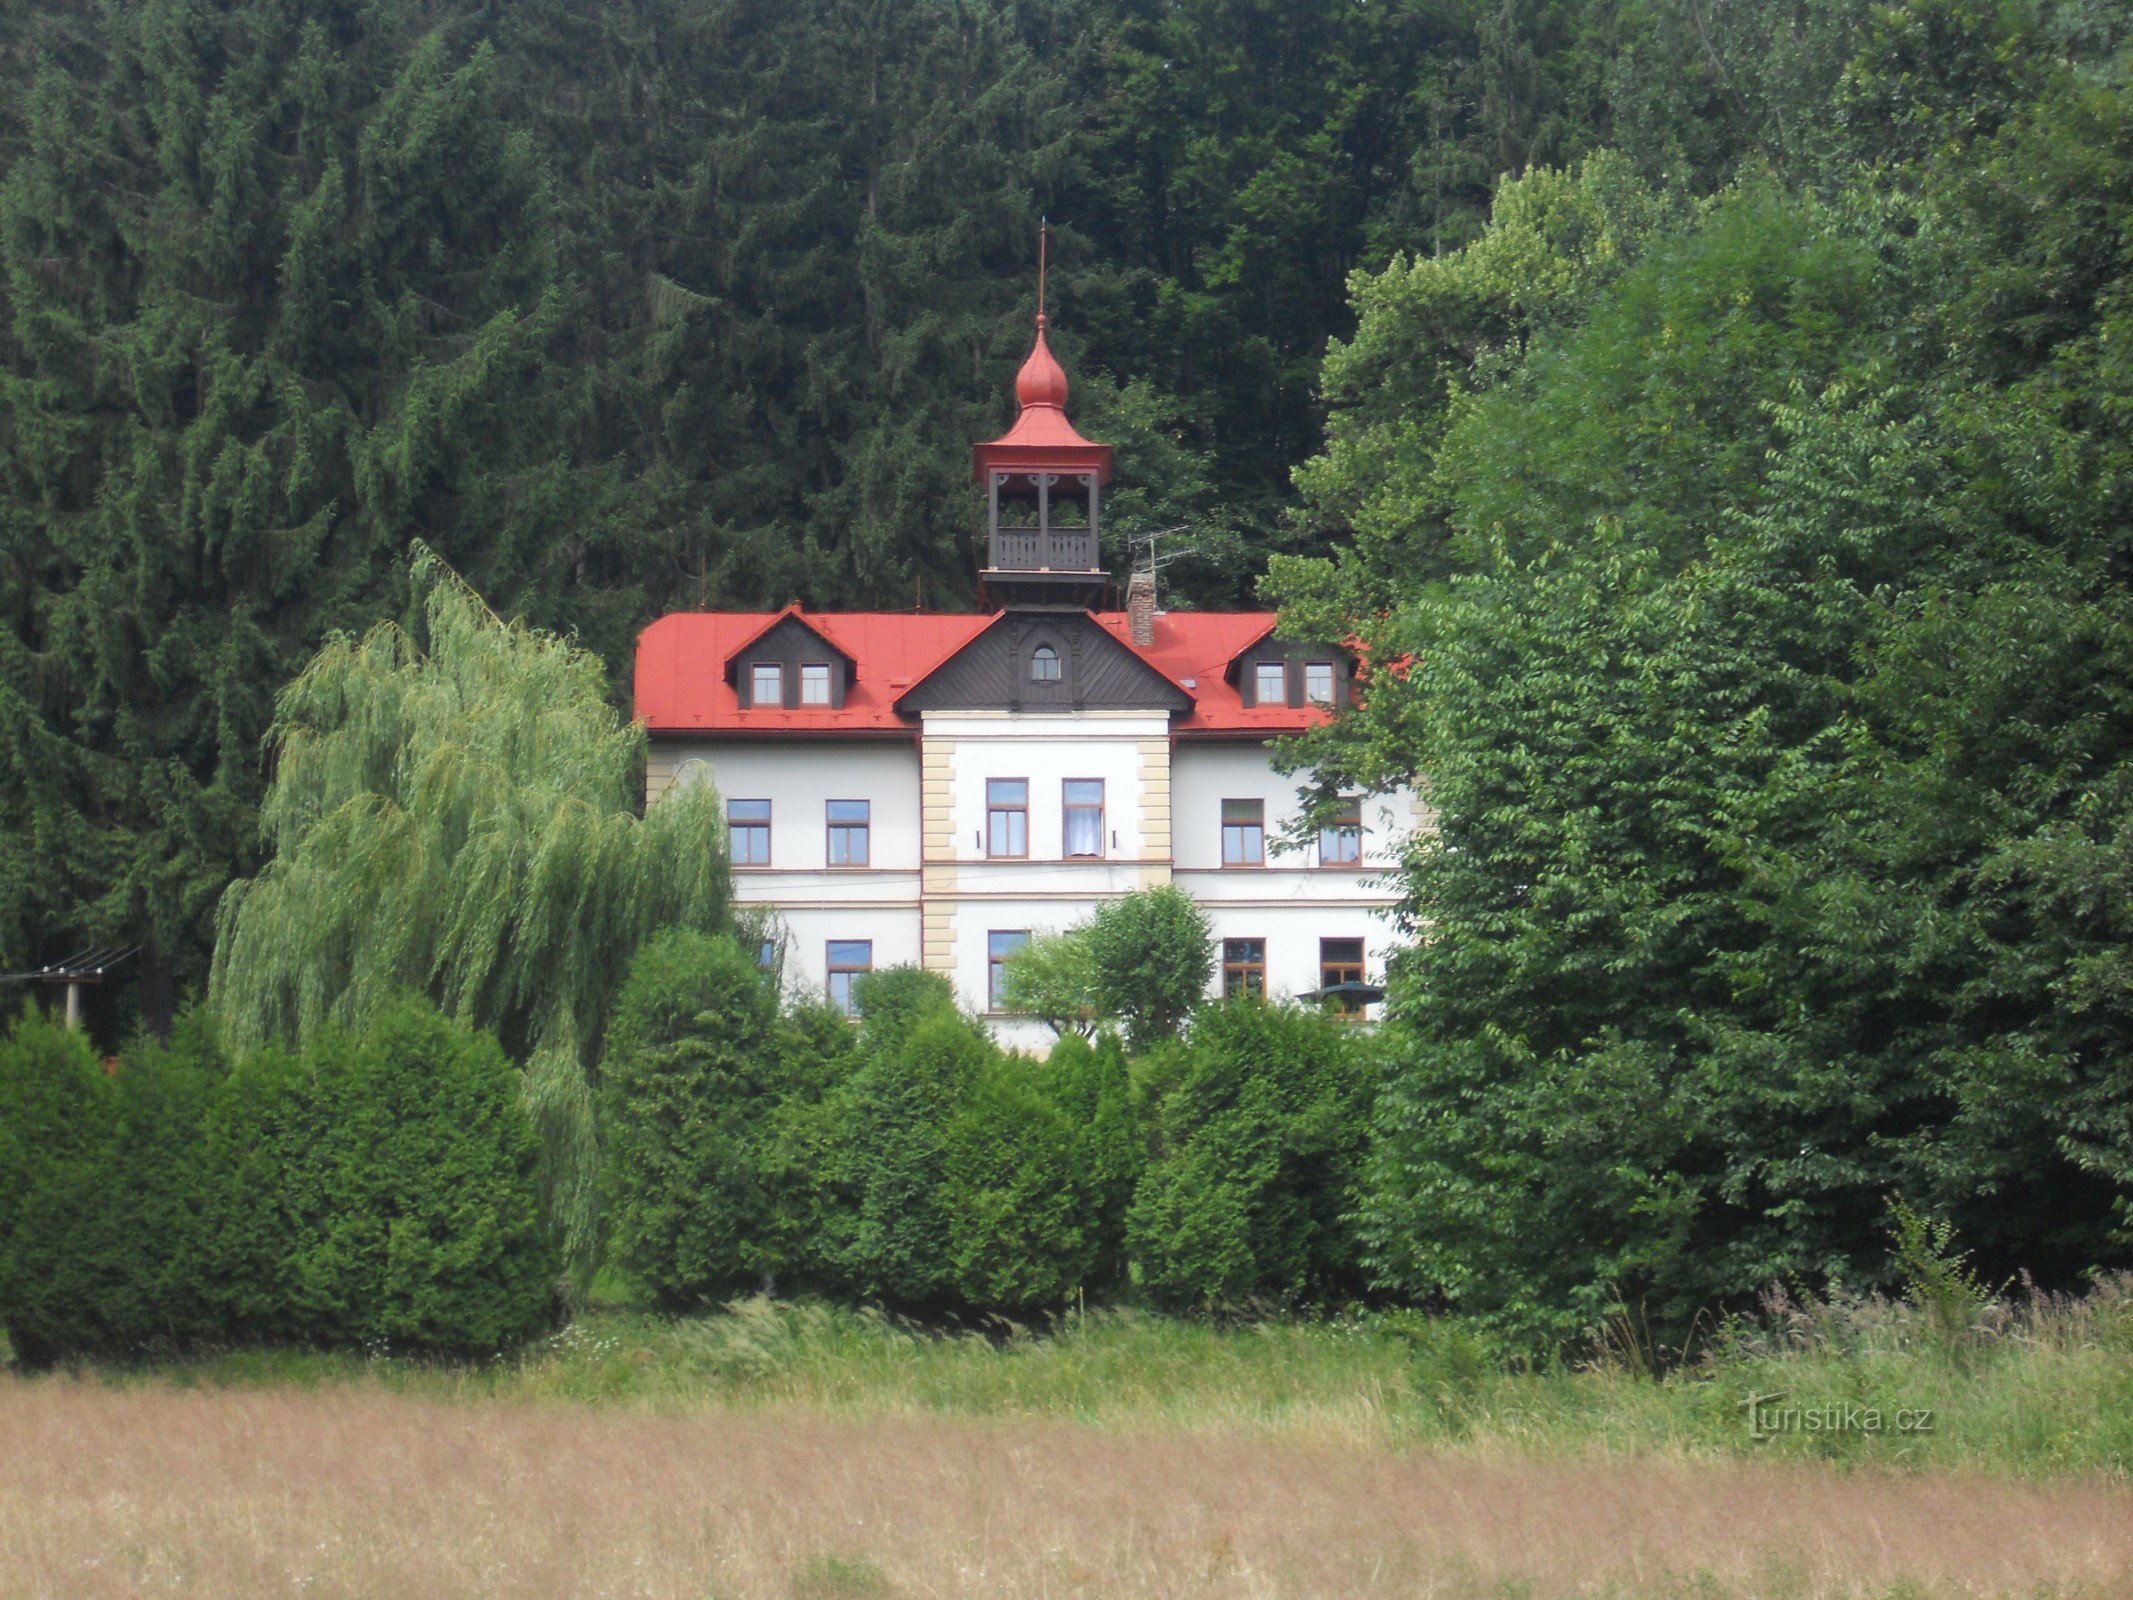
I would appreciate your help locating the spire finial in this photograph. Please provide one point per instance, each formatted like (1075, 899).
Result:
(1044, 228)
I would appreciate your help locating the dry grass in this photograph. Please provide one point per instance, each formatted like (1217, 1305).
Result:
(354, 1490)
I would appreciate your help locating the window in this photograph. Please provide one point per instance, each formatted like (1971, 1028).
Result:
(848, 960)
(1340, 841)
(1270, 683)
(1244, 833)
(814, 683)
(1243, 967)
(998, 947)
(766, 955)
(1340, 961)
(1318, 683)
(748, 824)
(1044, 664)
(766, 684)
(1007, 817)
(848, 832)
(1084, 816)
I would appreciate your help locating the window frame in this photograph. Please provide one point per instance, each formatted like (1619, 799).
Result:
(1333, 683)
(1260, 669)
(996, 960)
(997, 812)
(756, 700)
(1254, 830)
(736, 826)
(1345, 830)
(1046, 653)
(832, 970)
(1332, 971)
(835, 827)
(1068, 807)
(1244, 966)
(828, 685)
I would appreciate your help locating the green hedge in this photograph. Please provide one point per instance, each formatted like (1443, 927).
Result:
(377, 1190)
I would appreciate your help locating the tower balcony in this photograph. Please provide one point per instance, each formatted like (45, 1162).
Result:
(1011, 550)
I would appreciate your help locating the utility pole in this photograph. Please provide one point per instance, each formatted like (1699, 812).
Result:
(87, 967)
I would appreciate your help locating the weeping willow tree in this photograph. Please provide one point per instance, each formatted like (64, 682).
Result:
(452, 813)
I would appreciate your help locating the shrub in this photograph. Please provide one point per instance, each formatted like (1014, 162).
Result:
(801, 1148)
(105, 1255)
(1091, 1084)
(430, 1233)
(692, 1074)
(1019, 1199)
(898, 1242)
(1259, 1141)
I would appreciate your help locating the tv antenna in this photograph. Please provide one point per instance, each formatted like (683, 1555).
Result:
(1156, 557)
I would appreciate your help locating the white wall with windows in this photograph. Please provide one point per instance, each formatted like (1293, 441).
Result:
(994, 751)
(798, 782)
(837, 860)
(1213, 789)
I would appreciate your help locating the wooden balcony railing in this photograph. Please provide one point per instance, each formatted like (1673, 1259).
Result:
(1043, 550)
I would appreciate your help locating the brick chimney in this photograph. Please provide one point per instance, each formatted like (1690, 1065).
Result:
(1140, 609)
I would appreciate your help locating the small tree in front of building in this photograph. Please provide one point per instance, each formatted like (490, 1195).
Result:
(1142, 961)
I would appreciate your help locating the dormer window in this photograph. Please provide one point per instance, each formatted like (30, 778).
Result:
(1270, 683)
(814, 683)
(1044, 664)
(1318, 683)
(766, 684)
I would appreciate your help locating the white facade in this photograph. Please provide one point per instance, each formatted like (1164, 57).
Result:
(935, 888)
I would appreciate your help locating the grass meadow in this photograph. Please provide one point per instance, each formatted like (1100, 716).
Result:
(778, 1450)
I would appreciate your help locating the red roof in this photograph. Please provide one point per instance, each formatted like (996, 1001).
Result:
(682, 683)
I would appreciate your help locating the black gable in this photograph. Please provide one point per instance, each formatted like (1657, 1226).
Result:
(789, 644)
(1044, 661)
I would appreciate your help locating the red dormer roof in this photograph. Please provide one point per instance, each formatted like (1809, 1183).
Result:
(683, 682)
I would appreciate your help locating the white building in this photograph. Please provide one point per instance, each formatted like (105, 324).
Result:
(907, 788)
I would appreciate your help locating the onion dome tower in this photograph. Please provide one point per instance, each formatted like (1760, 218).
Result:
(1043, 482)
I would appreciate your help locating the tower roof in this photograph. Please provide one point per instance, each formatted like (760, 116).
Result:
(1042, 440)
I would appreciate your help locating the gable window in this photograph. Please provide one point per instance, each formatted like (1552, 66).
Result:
(748, 826)
(1340, 841)
(999, 948)
(1244, 833)
(1007, 817)
(1243, 967)
(1340, 961)
(814, 683)
(1084, 812)
(848, 961)
(1318, 683)
(1270, 683)
(766, 684)
(1044, 664)
(848, 820)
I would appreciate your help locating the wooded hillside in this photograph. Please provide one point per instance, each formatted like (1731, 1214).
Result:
(623, 307)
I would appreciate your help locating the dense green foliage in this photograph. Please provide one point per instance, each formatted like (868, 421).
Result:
(1718, 454)
(1754, 600)
(623, 307)
(913, 1163)
(380, 1190)
(688, 1082)
(453, 813)
(1141, 961)
(1258, 1141)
